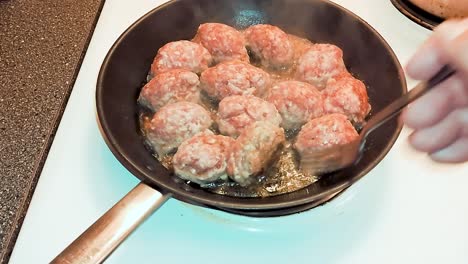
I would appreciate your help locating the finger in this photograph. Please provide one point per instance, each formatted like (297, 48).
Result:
(443, 134)
(429, 58)
(432, 55)
(437, 104)
(458, 52)
(455, 153)
(427, 61)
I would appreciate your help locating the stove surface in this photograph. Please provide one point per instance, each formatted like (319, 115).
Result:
(407, 210)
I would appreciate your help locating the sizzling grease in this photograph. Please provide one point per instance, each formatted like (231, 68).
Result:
(283, 174)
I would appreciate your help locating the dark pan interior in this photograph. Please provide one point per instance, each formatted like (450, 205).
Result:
(124, 70)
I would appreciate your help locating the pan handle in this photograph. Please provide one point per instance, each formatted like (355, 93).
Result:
(106, 234)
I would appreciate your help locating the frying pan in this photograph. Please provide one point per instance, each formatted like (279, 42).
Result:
(366, 54)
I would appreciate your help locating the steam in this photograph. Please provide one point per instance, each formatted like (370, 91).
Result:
(319, 21)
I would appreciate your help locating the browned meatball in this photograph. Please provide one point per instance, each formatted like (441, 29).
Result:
(222, 41)
(203, 158)
(170, 87)
(234, 78)
(253, 150)
(320, 63)
(182, 54)
(347, 95)
(237, 112)
(324, 132)
(175, 123)
(270, 44)
(297, 102)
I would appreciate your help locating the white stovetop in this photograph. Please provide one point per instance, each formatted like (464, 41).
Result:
(407, 210)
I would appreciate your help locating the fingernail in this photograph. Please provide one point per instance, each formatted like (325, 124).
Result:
(443, 155)
(417, 141)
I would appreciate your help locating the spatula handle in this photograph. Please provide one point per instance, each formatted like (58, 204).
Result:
(398, 105)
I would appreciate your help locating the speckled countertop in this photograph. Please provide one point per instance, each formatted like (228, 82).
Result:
(41, 47)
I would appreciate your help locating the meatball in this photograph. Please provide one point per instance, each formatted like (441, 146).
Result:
(270, 44)
(175, 123)
(203, 158)
(222, 41)
(297, 102)
(347, 95)
(237, 112)
(253, 150)
(182, 54)
(324, 132)
(319, 63)
(170, 87)
(234, 78)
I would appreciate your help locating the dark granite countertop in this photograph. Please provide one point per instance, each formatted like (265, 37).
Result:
(42, 44)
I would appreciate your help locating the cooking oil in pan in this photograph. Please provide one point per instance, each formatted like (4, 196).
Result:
(282, 175)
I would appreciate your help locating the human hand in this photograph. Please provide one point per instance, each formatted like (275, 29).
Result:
(440, 118)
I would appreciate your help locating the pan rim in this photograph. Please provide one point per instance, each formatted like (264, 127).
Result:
(178, 193)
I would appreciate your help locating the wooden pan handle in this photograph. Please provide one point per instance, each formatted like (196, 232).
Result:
(106, 234)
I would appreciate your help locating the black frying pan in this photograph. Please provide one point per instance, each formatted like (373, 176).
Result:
(123, 73)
